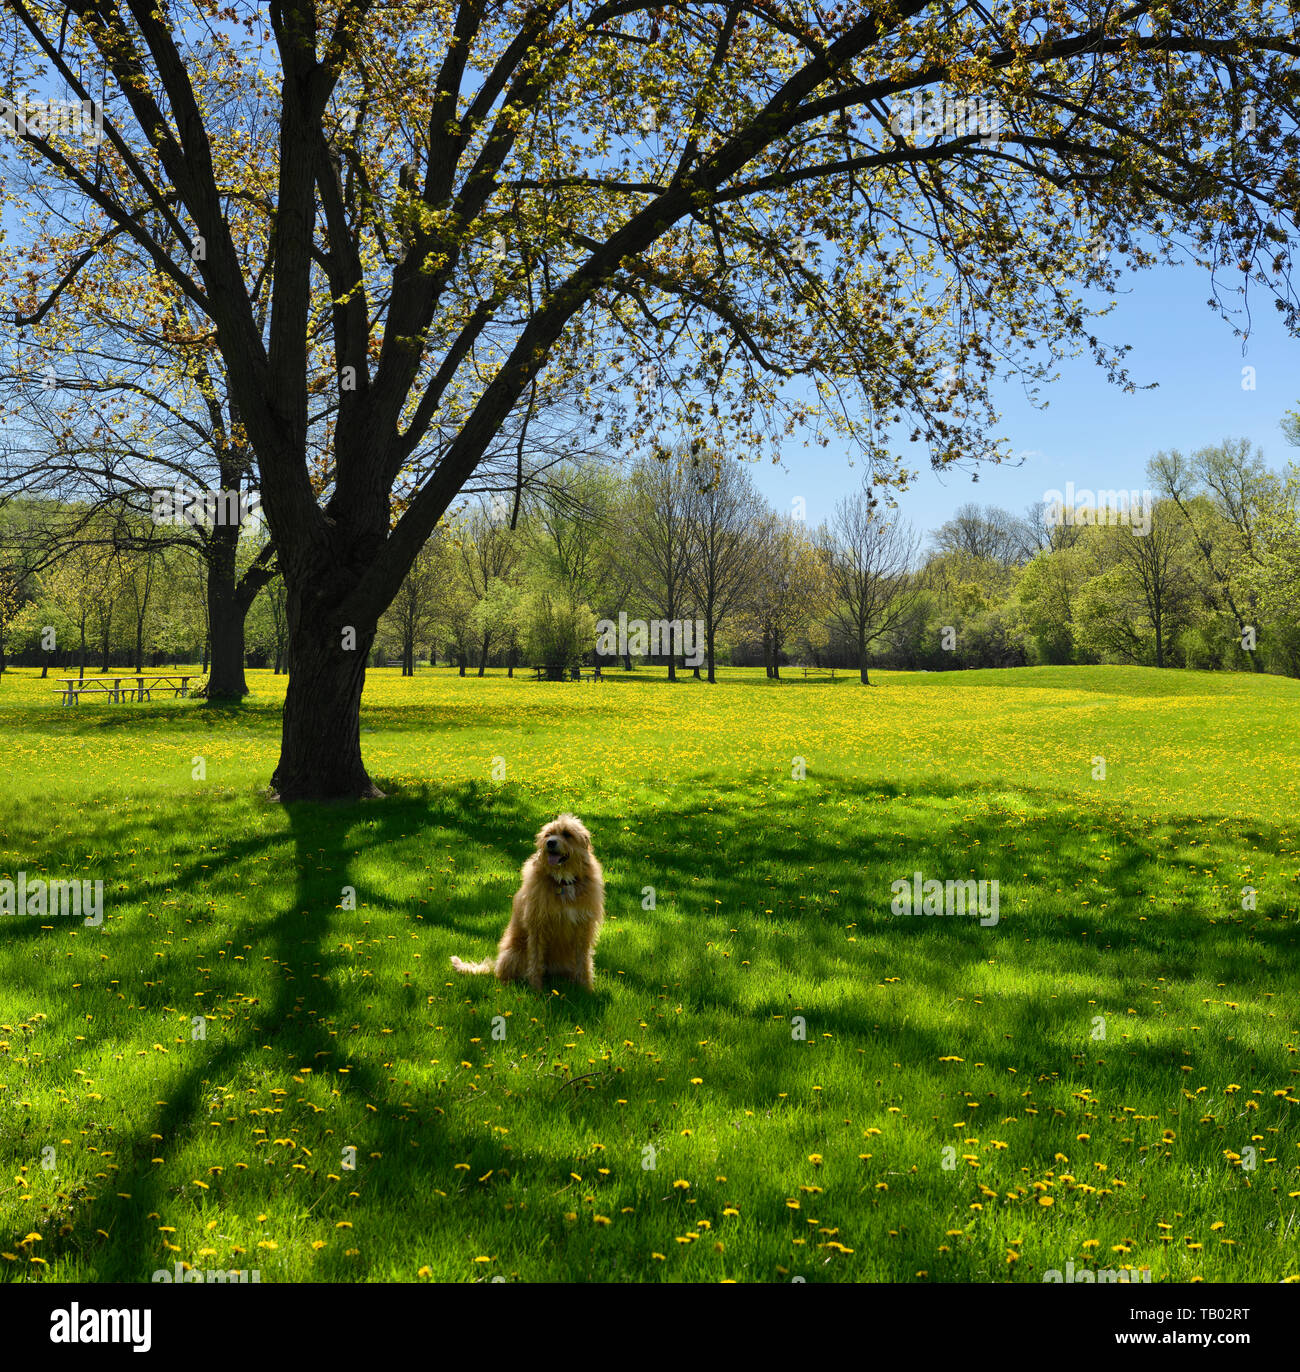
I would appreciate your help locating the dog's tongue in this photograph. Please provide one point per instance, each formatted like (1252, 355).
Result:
(554, 859)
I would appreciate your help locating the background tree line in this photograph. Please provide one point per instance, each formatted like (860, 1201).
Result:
(521, 580)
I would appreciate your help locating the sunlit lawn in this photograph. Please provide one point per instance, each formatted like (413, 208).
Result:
(775, 1077)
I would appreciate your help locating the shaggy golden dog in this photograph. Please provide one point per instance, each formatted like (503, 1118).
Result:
(557, 912)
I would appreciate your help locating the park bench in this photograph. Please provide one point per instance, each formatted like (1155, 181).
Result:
(137, 687)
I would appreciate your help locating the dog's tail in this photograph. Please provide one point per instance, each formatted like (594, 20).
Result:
(473, 968)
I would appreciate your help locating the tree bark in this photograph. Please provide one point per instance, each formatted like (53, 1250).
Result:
(229, 601)
(226, 680)
(320, 751)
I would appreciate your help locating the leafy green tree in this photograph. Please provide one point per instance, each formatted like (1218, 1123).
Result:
(791, 591)
(1135, 609)
(1046, 591)
(398, 224)
(557, 632)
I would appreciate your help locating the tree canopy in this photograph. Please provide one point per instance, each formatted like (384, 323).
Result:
(402, 228)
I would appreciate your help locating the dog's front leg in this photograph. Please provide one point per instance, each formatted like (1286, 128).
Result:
(585, 972)
(536, 964)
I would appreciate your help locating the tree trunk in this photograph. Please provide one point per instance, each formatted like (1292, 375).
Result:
(627, 662)
(483, 657)
(320, 749)
(462, 656)
(709, 636)
(862, 660)
(226, 680)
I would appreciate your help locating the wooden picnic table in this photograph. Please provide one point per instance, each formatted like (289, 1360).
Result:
(141, 686)
(575, 674)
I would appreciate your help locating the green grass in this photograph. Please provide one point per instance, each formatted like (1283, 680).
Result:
(951, 1074)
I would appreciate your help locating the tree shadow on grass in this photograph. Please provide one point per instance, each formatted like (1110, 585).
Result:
(303, 1026)
(305, 1023)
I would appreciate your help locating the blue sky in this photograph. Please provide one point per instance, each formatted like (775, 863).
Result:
(1092, 433)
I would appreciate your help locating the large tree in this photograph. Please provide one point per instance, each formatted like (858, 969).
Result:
(464, 200)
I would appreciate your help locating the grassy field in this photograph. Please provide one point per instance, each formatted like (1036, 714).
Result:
(776, 1077)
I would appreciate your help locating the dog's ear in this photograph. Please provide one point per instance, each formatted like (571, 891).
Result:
(582, 831)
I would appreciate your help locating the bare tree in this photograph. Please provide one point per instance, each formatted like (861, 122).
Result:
(990, 532)
(722, 509)
(659, 549)
(870, 562)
